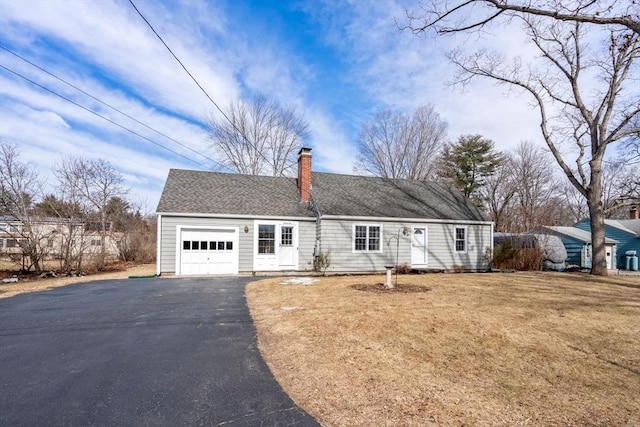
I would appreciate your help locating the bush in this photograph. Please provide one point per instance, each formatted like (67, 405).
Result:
(403, 268)
(458, 268)
(322, 262)
(506, 257)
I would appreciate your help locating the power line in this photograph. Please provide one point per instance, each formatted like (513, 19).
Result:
(101, 116)
(110, 106)
(198, 84)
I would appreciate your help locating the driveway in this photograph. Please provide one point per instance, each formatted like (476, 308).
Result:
(143, 352)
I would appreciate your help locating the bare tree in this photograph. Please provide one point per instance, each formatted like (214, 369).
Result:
(75, 210)
(498, 194)
(524, 193)
(24, 231)
(575, 203)
(585, 96)
(470, 15)
(397, 145)
(93, 184)
(536, 184)
(258, 137)
(620, 187)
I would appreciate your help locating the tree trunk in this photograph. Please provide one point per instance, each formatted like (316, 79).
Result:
(596, 211)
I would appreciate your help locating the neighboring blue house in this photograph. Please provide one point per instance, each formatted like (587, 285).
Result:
(577, 242)
(625, 231)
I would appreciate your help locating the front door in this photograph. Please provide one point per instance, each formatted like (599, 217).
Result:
(419, 246)
(286, 251)
(276, 246)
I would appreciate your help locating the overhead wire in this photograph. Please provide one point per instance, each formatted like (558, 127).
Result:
(240, 132)
(111, 107)
(101, 116)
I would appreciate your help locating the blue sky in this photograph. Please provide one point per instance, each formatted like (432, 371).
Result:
(335, 62)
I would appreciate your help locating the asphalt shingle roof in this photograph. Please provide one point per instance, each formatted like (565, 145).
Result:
(188, 191)
(348, 195)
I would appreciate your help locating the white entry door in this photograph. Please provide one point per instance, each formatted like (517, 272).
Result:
(286, 251)
(276, 245)
(419, 246)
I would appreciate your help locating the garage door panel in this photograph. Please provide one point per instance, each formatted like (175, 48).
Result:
(213, 251)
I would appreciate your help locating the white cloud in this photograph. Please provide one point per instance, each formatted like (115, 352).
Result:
(106, 49)
(333, 151)
(113, 37)
(402, 71)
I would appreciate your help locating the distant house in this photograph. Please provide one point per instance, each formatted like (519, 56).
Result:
(577, 243)
(49, 232)
(52, 235)
(219, 223)
(625, 231)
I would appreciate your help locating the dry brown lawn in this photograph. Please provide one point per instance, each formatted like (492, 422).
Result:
(537, 349)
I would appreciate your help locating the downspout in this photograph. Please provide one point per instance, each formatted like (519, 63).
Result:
(316, 209)
(490, 260)
(158, 245)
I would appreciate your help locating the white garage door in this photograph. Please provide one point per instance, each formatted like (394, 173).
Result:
(209, 251)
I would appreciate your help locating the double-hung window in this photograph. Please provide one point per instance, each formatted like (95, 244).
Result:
(266, 239)
(461, 239)
(367, 238)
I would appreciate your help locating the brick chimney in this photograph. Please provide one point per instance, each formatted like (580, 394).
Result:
(634, 213)
(304, 174)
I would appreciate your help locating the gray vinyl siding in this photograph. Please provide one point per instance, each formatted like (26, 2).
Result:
(441, 246)
(337, 239)
(167, 258)
(306, 244)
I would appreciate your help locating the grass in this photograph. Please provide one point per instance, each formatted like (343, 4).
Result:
(456, 349)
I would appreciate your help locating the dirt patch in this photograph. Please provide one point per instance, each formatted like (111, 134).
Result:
(476, 350)
(379, 288)
(33, 283)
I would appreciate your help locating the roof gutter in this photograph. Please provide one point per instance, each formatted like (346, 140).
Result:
(234, 216)
(410, 220)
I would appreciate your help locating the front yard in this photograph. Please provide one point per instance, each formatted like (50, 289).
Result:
(459, 349)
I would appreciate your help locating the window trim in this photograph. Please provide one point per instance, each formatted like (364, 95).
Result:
(455, 239)
(367, 242)
(274, 239)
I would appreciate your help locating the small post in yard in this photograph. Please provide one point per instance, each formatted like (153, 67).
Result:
(388, 283)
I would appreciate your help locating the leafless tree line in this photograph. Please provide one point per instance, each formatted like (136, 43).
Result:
(583, 81)
(520, 189)
(87, 208)
(398, 145)
(258, 136)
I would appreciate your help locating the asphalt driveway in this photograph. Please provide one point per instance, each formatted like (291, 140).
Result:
(143, 352)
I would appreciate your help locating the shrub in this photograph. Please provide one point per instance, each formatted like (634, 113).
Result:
(322, 262)
(506, 257)
(403, 268)
(457, 268)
